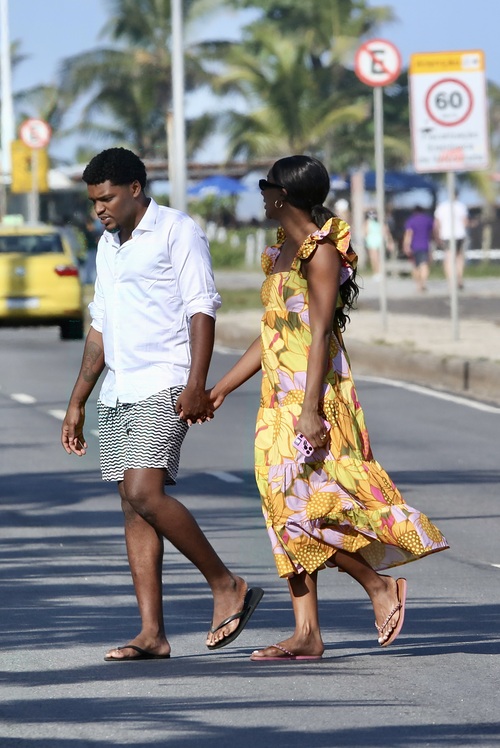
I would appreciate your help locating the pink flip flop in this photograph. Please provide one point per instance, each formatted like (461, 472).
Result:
(401, 592)
(287, 656)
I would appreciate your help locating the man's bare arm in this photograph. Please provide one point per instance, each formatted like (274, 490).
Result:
(72, 437)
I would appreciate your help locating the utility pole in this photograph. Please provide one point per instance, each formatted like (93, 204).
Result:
(177, 153)
(7, 117)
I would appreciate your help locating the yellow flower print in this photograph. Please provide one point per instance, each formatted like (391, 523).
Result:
(340, 497)
(430, 529)
(266, 290)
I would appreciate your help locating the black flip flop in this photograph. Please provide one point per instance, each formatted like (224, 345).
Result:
(143, 654)
(252, 599)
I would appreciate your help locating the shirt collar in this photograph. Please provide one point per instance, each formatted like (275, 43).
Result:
(147, 223)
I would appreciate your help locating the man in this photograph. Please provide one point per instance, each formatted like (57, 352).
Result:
(153, 318)
(451, 220)
(416, 244)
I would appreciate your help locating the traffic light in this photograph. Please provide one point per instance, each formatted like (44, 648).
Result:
(22, 162)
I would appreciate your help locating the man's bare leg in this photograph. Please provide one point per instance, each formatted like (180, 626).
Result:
(158, 515)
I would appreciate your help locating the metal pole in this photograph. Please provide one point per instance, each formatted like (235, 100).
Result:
(450, 184)
(7, 116)
(179, 127)
(34, 204)
(378, 113)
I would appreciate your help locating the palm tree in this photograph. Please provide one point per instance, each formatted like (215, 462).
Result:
(288, 112)
(335, 26)
(128, 85)
(293, 71)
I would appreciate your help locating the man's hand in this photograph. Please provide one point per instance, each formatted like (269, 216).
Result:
(194, 406)
(72, 437)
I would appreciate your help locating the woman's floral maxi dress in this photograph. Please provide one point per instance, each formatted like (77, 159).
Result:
(339, 497)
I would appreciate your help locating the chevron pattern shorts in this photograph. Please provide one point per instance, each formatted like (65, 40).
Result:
(147, 434)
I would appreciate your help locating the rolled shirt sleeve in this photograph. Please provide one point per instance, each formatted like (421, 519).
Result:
(191, 261)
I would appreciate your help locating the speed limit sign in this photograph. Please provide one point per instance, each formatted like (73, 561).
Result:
(449, 102)
(448, 111)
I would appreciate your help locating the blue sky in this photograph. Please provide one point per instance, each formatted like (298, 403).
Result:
(50, 30)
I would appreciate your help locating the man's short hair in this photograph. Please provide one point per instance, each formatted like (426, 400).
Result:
(118, 165)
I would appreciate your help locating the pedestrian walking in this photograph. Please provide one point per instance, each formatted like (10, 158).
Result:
(326, 500)
(451, 219)
(416, 244)
(377, 239)
(153, 316)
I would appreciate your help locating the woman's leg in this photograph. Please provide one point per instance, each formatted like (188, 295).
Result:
(306, 639)
(374, 256)
(382, 590)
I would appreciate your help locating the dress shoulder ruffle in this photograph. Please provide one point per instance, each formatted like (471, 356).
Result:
(338, 232)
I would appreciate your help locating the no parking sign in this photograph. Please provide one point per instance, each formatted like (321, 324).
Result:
(449, 124)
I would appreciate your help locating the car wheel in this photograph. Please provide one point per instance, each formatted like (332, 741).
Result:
(72, 329)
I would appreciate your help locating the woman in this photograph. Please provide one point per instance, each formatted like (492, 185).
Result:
(337, 506)
(375, 240)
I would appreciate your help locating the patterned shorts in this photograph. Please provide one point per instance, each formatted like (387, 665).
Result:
(147, 434)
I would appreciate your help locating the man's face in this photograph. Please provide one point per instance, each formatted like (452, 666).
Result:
(116, 205)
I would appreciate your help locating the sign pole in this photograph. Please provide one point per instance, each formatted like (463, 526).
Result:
(451, 187)
(378, 111)
(378, 63)
(34, 204)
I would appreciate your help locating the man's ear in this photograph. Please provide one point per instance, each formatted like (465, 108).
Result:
(136, 188)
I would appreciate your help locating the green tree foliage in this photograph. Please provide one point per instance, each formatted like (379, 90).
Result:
(127, 86)
(287, 109)
(294, 71)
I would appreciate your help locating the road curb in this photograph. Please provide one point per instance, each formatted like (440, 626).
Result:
(477, 378)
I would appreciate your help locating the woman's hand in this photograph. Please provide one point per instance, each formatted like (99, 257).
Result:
(314, 428)
(216, 397)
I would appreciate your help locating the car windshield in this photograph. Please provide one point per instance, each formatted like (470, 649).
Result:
(31, 244)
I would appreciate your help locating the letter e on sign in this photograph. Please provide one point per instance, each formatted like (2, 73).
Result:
(377, 63)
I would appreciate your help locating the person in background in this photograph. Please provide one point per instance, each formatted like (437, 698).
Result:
(416, 244)
(326, 501)
(153, 319)
(72, 233)
(341, 209)
(451, 218)
(375, 240)
(92, 233)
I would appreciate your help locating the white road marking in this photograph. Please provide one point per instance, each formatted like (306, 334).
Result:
(21, 397)
(226, 477)
(59, 414)
(497, 566)
(432, 393)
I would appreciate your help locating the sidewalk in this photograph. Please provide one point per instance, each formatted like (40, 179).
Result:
(417, 345)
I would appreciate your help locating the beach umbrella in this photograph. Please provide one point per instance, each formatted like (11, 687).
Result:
(217, 185)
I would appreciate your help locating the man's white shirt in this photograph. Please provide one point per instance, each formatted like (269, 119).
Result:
(443, 214)
(146, 292)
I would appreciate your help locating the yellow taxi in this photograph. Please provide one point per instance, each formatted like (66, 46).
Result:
(39, 283)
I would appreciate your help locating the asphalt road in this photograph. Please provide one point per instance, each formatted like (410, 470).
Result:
(66, 593)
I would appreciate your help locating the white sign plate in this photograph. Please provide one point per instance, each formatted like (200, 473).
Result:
(377, 63)
(35, 133)
(448, 105)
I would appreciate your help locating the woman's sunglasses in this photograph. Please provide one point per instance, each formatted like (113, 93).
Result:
(265, 185)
